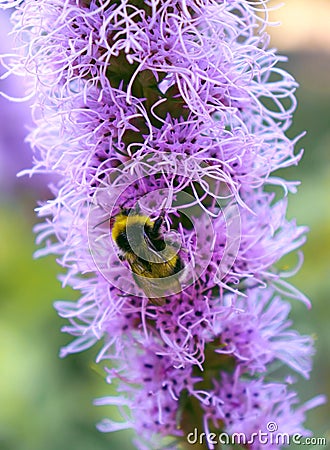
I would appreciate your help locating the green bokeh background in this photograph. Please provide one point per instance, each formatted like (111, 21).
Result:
(45, 402)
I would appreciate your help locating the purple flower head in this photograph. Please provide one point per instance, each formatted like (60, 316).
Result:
(165, 121)
(15, 154)
(256, 332)
(154, 402)
(251, 407)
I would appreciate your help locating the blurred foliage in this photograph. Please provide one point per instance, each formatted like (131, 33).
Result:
(45, 403)
(310, 206)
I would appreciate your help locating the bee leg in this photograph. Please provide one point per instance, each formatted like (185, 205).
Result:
(158, 223)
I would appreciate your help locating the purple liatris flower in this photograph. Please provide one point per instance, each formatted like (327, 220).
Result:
(165, 120)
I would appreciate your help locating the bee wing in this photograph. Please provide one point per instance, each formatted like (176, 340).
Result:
(156, 255)
(138, 267)
(153, 250)
(145, 285)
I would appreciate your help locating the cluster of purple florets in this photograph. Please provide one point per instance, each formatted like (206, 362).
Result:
(177, 106)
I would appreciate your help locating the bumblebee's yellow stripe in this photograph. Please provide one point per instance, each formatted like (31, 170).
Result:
(122, 222)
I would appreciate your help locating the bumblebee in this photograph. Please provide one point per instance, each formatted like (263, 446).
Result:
(154, 262)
